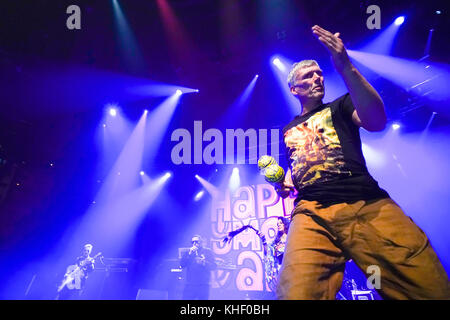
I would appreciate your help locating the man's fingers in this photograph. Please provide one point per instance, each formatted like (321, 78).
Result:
(329, 44)
(329, 38)
(326, 34)
(322, 31)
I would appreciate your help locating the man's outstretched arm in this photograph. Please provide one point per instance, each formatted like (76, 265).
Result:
(370, 113)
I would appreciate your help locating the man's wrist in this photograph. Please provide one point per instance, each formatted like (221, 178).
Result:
(347, 70)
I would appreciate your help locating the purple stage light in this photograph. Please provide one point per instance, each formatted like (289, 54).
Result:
(113, 112)
(235, 180)
(277, 62)
(166, 176)
(199, 195)
(395, 126)
(399, 20)
(113, 109)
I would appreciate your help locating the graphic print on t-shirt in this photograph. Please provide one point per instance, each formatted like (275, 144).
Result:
(314, 150)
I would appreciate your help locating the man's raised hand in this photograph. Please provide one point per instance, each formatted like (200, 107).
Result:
(335, 47)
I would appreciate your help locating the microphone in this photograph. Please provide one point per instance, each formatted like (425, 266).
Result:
(193, 249)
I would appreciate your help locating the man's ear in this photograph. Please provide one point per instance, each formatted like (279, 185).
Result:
(292, 89)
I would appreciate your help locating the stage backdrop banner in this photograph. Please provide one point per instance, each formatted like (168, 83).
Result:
(240, 263)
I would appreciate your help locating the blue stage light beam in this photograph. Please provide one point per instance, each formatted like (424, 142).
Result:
(281, 67)
(112, 134)
(240, 105)
(123, 177)
(128, 45)
(383, 41)
(209, 187)
(158, 90)
(113, 224)
(244, 98)
(424, 133)
(235, 180)
(158, 122)
(144, 178)
(418, 77)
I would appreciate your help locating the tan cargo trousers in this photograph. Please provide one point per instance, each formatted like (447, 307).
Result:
(372, 233)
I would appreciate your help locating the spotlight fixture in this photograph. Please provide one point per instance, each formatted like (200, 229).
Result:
(277, 62)
(199, 195)
(395, 126)
(399, 20)
(113, 112)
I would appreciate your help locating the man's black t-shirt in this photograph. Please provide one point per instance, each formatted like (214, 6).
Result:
(325, 156)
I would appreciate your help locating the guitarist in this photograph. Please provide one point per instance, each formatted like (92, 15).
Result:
(76, 275)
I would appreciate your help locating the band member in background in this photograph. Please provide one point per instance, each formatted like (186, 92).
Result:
(273, 252)
(340, 211)
(75, 277)
(198, 263)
